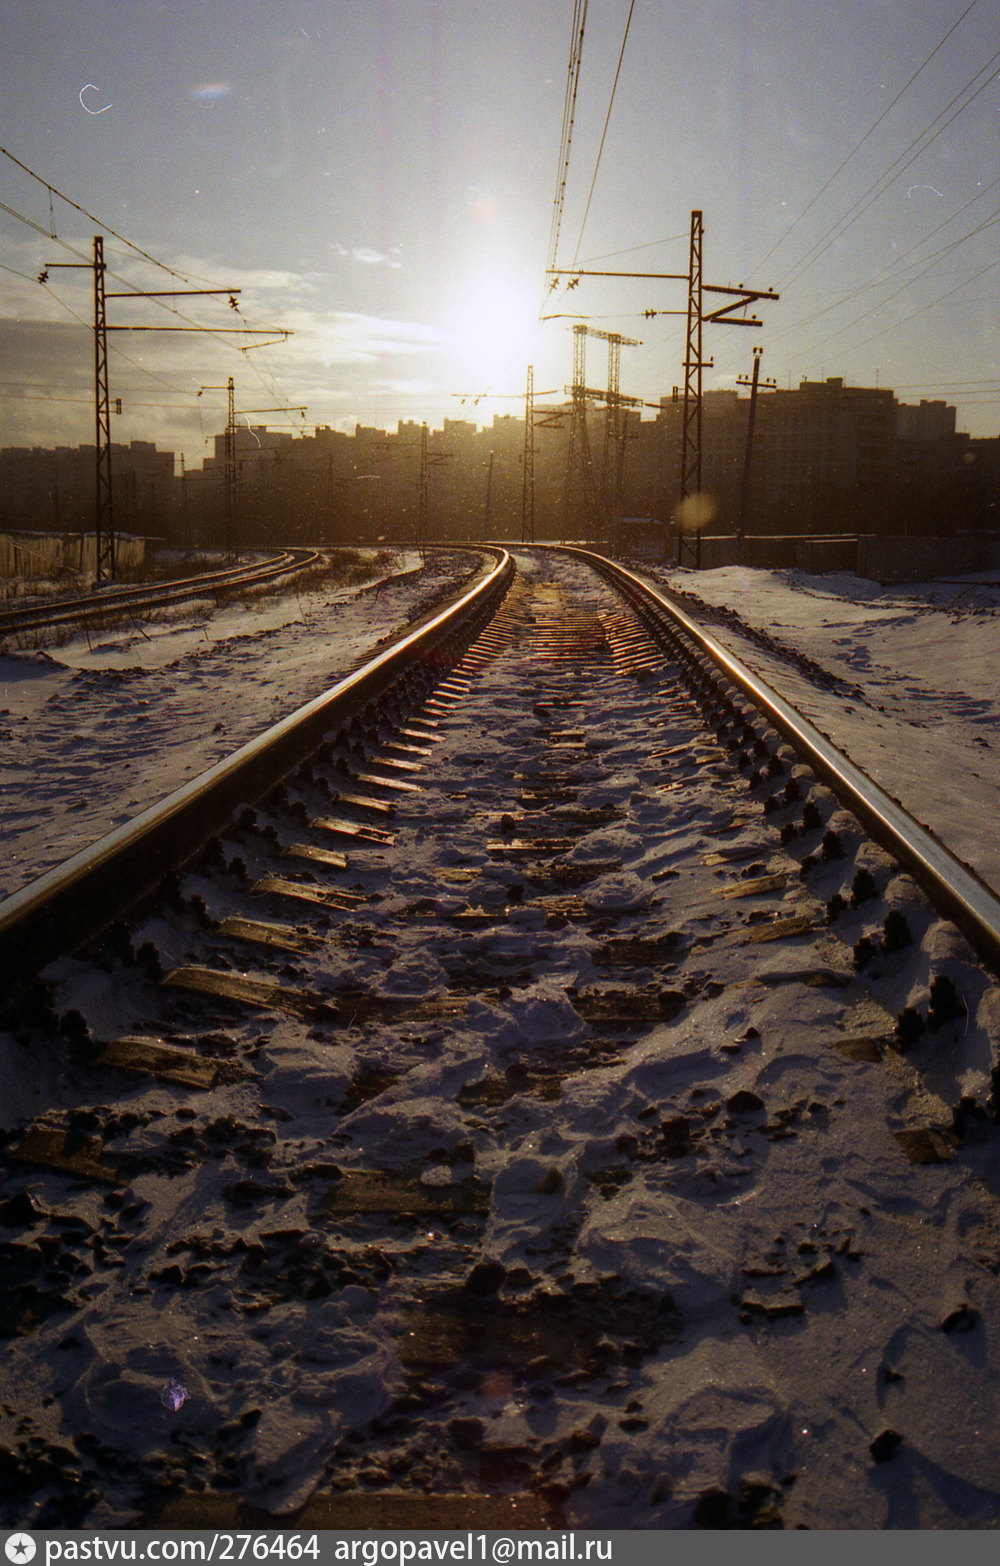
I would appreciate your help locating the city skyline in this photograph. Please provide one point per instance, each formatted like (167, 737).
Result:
(378, 180)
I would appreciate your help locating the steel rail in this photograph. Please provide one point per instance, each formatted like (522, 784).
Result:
(64, 909)
(116, 595)
(36, 616)
(955, 889)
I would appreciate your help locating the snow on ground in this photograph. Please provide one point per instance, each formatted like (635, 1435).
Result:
(918, 705)
(97, 729)
(831, 1351)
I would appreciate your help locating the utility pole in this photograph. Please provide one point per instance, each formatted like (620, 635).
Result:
(385, 497)
(694, 363)
(427, 460)
(104, 514)
(489, 496)
(104, 534)
(599, 508)
(228, 466)
(613, 460)
(382, 452)
(691, 447)
(104, 531)
(541, 419)
(185, 531)
(755, 386)
(579, 467)
(230, 470)
(528, 475)
(421, 539)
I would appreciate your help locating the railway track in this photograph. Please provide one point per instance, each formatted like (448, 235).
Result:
(129, 600)
(529, 1111)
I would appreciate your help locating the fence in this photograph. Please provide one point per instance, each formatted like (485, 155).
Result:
(875, 556)
(36, 555)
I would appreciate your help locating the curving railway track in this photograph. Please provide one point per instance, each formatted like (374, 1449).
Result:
(98, 606)
(518, 1091)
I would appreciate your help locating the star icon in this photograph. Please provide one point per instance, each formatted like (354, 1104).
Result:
(20, 1547)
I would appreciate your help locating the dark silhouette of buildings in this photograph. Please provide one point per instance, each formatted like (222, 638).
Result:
(826, 458)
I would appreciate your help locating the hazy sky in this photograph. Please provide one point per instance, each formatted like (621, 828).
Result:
(378, 177)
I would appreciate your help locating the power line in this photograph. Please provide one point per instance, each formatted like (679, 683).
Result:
(926, 266)
(30, 221)
(607, 121)
(920, 142)
(15, 273)
(82, 402)
(912, 315)
(871, 129)
(106, 227)
(117, 352)
(54, 191)
(138, 250)
(879, 187)
(893, 272)
(569, 113)
(993, 383)
(71, 249)
(651, 244)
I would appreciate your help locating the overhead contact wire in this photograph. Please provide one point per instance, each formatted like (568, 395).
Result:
(871, 129)
(607, 121)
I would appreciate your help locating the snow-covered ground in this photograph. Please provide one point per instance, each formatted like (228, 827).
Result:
(914, 696)
(793, 1265)
(95, 730)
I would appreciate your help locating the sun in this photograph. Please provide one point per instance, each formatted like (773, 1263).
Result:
(492, 332)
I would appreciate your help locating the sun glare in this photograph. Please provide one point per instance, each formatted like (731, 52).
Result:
(492, 334)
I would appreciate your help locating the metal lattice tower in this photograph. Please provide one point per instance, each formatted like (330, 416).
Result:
(691, 433)
(739, 298)
(230, 480)
(104, 516)
(528, 474)
(579, 490)
(104, 530)
(613, 459)
(421, 539)
(228, 472)
(428, 459)
(599, 505)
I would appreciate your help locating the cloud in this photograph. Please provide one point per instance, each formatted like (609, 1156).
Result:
(411, 388)
(51, 353)
(211, 273)
(376, 258)
(332, 361)
(365, 255)
(350, 337)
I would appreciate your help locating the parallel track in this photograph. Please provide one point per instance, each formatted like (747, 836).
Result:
(387, 1020)
(97, 606)
(80, 898)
